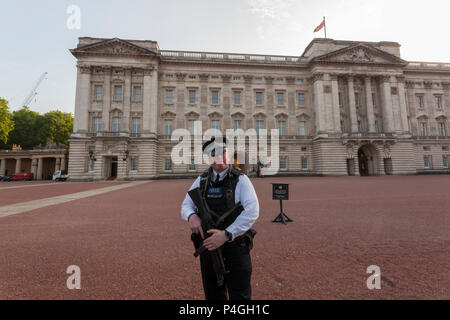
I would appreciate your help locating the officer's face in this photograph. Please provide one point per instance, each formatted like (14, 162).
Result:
(219, 162)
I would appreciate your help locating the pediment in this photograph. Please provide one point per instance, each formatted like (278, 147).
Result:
(168, 114)
(360, 54)
(192, 114)
(238, 114)
(215, 114)
(281, 114)
(112, 47)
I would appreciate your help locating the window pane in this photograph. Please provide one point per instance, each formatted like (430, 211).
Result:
(283, 163)
(215, 97)
(136, 125)
(237, 124)
(191, 126)
(98, 93)
(282, 128)
(97, 125)
(118, 93)
(192, 97)
(303, 128)
(259, 125)
(137, 93)
(280, 99)
(304, 163)
(116, 124)
(237, 98)
(215, 124)
(168, 127)
(301, 99)
(259, 98)
(169, 96)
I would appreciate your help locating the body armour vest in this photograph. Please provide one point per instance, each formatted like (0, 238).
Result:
(220, 196)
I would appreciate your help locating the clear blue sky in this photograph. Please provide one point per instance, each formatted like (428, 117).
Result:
(35, 38)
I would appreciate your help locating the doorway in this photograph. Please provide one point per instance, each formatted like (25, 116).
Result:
(111, 165)
(367, 156)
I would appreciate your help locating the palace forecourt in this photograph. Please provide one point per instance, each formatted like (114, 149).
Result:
(341, 108)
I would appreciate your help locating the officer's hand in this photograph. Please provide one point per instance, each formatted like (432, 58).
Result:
(196, 225)
(215, 241)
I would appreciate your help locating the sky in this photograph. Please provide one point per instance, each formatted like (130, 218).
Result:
(35, 36)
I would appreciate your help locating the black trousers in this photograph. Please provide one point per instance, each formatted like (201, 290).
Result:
(237, 282)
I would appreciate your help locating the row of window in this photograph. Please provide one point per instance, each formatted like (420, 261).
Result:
(421, 102)
(428, 161)
(283, 164)
(237, 98)
(423, 126)
(260, 125)
(118, 93)
(116, 125)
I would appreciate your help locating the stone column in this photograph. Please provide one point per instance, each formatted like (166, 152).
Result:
(402, 99)
(106, 99)
(146, 101)
(18, 165)
(430, 108)
(369, 104)
(319, 103)
(125, 127)
(388, 116)
(335, 99)
(58, 164)
(352, 104)
(34, 167)
(154, 103)
(2, 166)
(39, 169)
(63, 163)
(82, 99)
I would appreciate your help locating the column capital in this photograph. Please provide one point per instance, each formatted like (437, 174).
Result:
(84, 69)
(385, 78)
(226, 78)
(317, 76)
(401, 79)
(269, 79)
(334, 76)
(445, 85)
(148, 70)
(410, 84)
(107, 70)
(290, 80)
(428, 84)
(127, 71)
(203, 77)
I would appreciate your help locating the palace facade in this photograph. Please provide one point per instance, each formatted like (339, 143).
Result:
(341, 108)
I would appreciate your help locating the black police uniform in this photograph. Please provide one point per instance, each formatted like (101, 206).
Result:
(220, 197)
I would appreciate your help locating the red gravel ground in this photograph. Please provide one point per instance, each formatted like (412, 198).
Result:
(10, 193)
(132, 243)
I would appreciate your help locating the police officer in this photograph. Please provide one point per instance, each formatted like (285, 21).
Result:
(225, 186)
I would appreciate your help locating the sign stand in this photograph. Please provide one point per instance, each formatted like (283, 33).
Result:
(281, 192)
(282, 218)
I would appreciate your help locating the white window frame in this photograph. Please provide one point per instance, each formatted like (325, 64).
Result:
(168, 126)
(98, 96)
(169, 97)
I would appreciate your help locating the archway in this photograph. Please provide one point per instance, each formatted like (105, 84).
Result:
(367, 160)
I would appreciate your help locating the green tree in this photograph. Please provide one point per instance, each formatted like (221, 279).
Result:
(6, 121)
(57, 127)
(26, 130)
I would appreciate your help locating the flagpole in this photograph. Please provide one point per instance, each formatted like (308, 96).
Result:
(325, 27)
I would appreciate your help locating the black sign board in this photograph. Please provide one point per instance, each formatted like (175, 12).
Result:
(280, 191)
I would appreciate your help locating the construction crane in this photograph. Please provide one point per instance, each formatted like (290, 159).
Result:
(33, 92)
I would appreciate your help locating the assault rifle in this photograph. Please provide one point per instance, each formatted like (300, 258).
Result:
(207, 224)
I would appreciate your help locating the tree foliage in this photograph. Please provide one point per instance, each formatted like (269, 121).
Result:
(32, 129)
(6, 121)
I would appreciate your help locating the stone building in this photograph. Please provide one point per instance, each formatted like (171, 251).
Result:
(341, 108)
